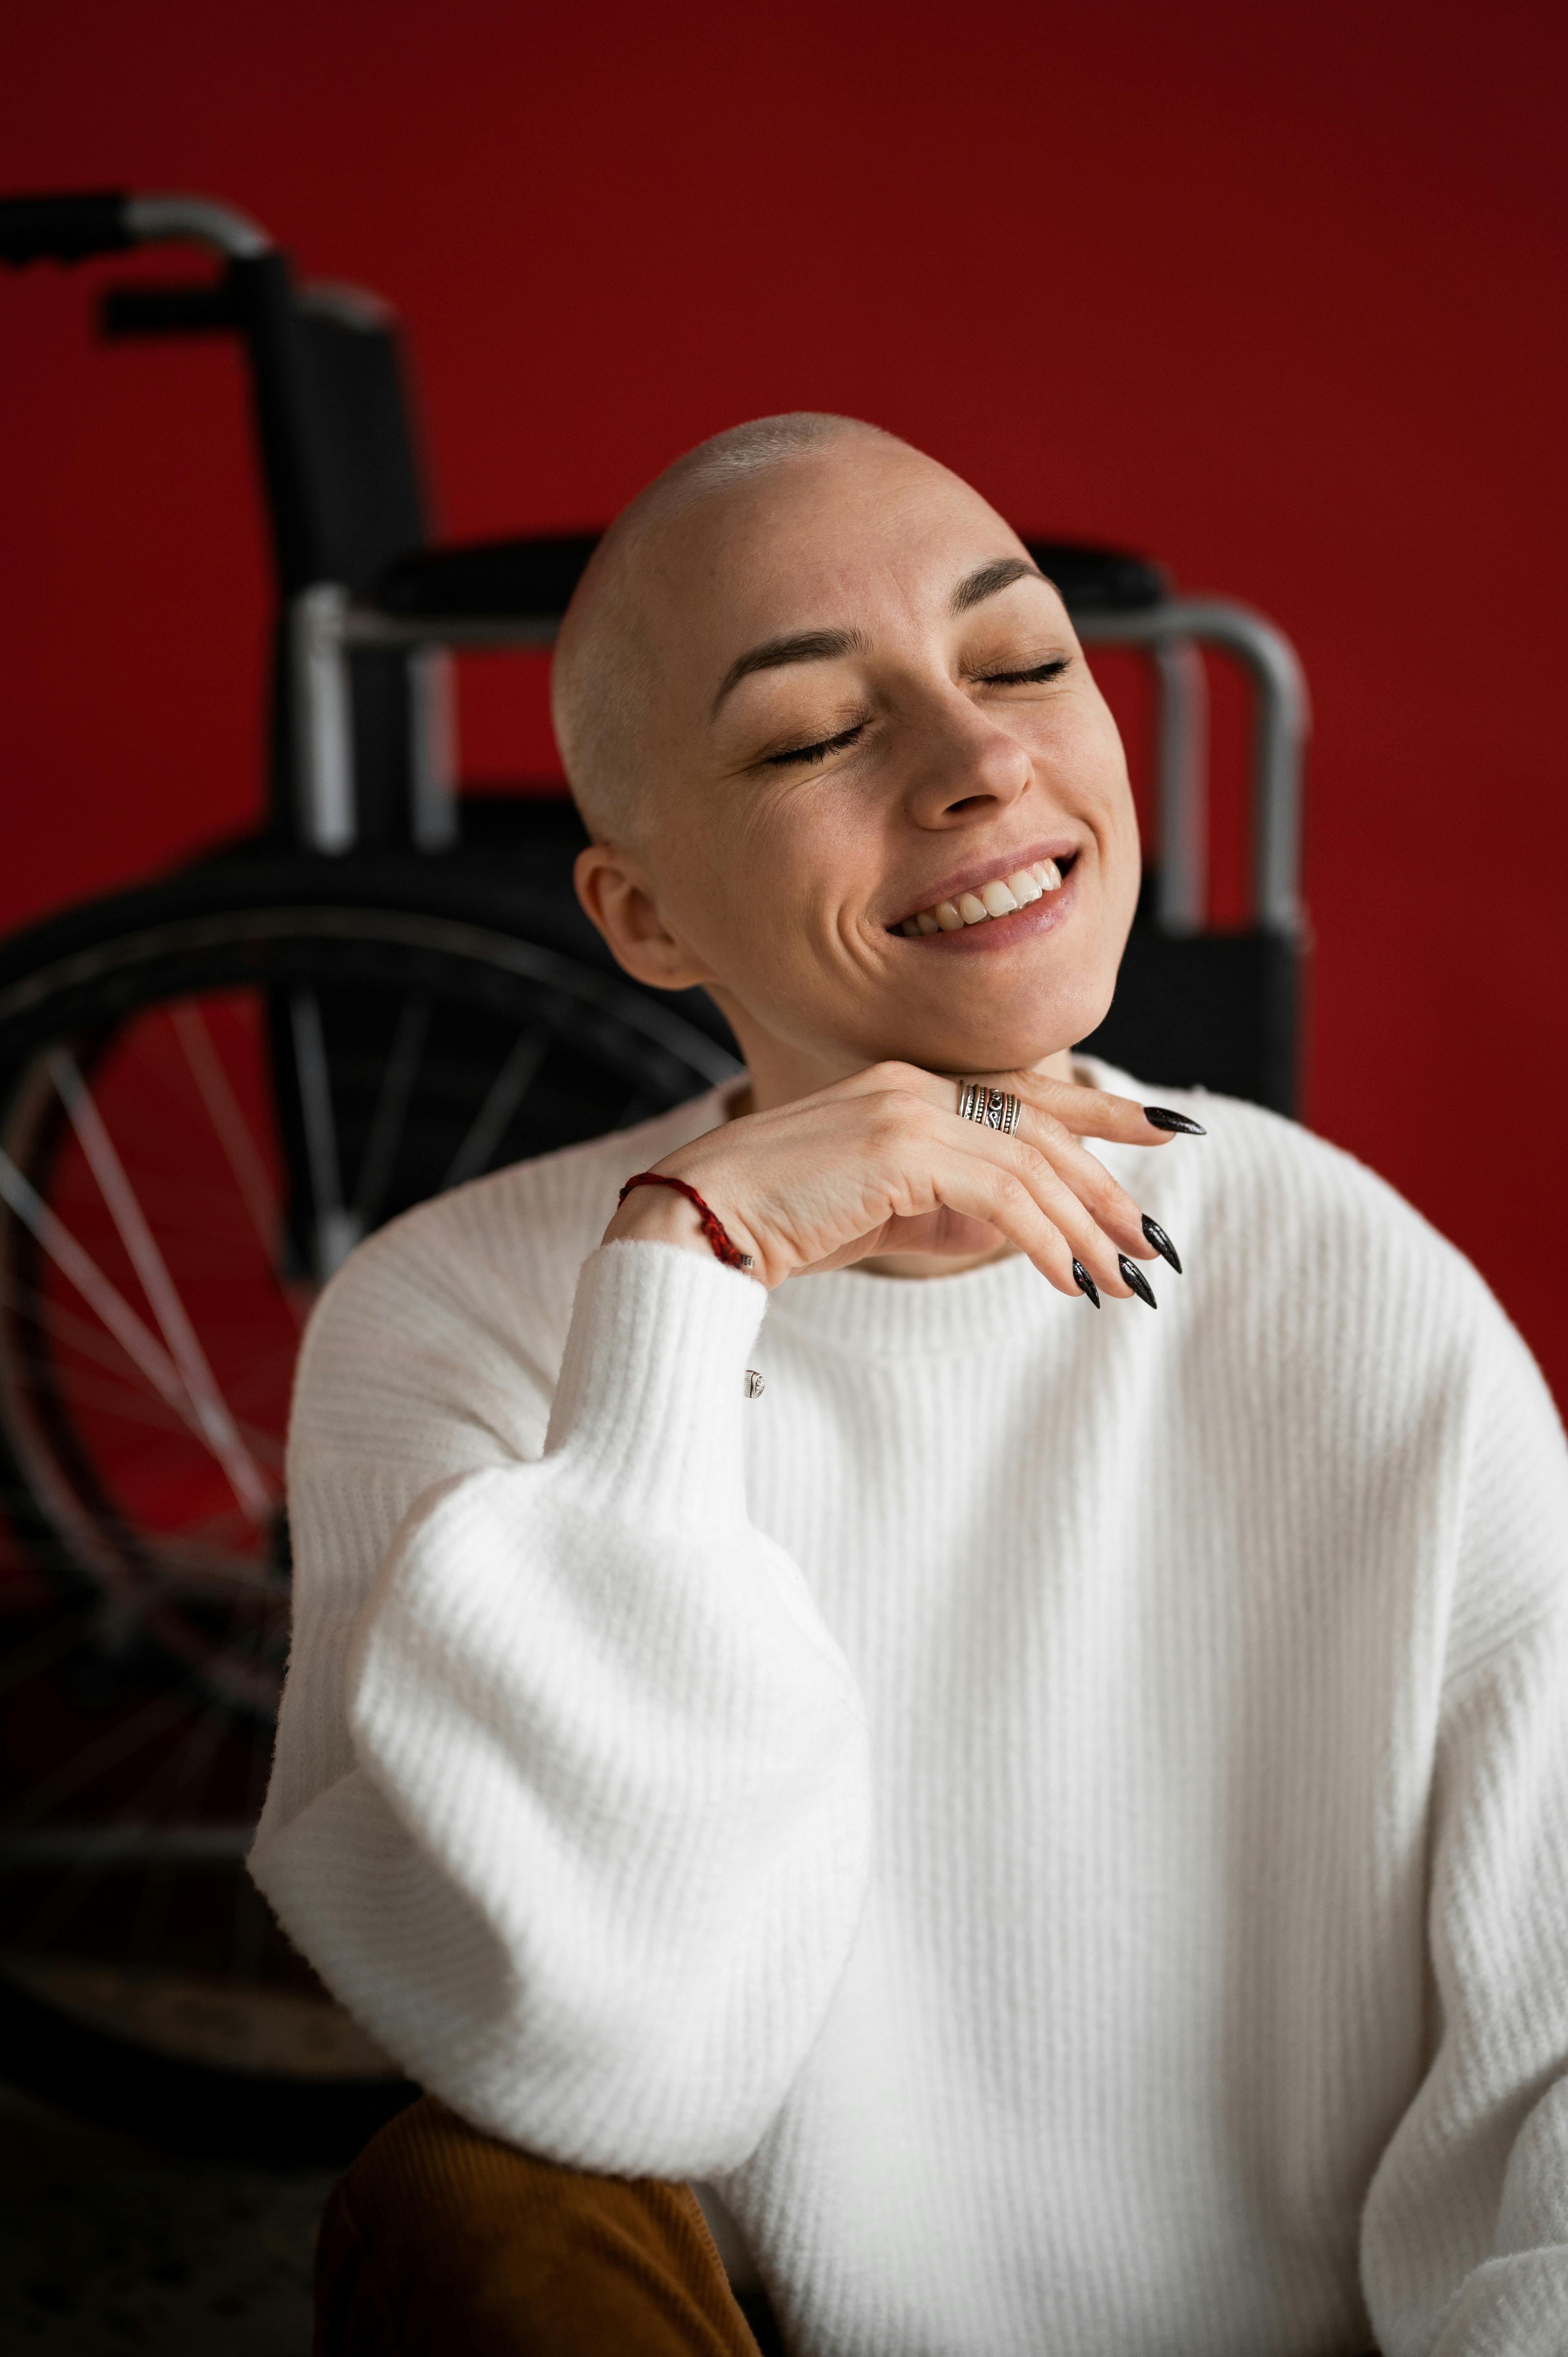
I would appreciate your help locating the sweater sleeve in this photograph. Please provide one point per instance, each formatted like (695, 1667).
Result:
(1465, 2246)
(595, 1848)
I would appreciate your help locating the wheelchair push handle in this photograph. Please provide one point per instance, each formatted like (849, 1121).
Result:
(73, 226)
(63, 228)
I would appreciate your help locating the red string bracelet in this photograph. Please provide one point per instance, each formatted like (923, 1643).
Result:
(714, 1228)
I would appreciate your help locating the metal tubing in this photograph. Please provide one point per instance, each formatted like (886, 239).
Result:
(323, 723)
(1282, 719)
(363, 626)
(432, 750)
(252, 1489)
(1171, 632)
(80, 1269)
(195, 221)
(1182, 760)
(323, 626)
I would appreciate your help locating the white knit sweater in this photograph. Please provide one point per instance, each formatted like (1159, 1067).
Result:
(1064, 1818)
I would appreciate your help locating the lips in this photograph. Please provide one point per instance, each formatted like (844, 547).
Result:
(1000, 896)
(977, 899)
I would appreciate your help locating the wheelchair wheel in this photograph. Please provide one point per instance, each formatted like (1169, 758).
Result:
(200, 1112)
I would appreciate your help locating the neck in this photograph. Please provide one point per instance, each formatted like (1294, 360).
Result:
(779, 1074)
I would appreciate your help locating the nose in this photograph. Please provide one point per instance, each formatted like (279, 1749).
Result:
(965, 766)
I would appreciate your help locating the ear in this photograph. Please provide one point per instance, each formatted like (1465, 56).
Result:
(619, 897)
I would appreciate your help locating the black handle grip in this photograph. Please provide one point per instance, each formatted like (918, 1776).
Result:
(1099, 580)
(487, 580)
(167, 311)
(62, 228)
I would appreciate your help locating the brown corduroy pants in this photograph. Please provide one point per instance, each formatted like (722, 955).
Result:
(440, 2239)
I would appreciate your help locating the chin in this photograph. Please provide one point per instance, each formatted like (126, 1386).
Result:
(1009, 1038)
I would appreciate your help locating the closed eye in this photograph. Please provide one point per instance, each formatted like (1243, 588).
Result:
(1053, 669)
(814, 753)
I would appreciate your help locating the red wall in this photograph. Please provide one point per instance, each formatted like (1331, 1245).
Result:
(1275, 293)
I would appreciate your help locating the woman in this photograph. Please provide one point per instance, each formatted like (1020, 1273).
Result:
(1054, 1810)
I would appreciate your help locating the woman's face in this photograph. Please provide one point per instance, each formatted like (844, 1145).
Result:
(870, 705)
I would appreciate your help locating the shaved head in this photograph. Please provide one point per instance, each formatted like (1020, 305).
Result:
(810, 687)
(605, 677)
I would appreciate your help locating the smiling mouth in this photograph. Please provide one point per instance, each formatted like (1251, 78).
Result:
(1004, 896)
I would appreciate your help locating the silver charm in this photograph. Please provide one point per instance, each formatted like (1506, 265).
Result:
(754, 1383)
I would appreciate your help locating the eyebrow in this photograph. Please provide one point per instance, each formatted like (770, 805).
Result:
(987, 579)
(795, 647)
(826, 646)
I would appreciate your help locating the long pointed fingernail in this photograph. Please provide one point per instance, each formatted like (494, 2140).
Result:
(1162, 1242)
(1162, 1117)
(1085, 1282)
(1136, 1279)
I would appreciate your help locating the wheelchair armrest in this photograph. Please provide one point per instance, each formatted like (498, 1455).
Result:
(484, 580)
(1099, 580)
(498, 580)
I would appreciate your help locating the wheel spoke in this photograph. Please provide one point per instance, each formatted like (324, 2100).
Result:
(173, 1776)
(336, 1231)
(103, 1386)
(216, 1424)
(503, 1099)
(244, 1158)
(183, 1566)
(130, 1843)
(393, 1101)
(115, 1744)
(82, 1271)
(31, 1661)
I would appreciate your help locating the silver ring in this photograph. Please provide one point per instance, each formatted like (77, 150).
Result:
(992, 1108)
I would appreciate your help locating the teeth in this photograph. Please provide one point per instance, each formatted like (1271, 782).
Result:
(997, 898)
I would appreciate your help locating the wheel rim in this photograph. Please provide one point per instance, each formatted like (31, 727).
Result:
(198, 1121)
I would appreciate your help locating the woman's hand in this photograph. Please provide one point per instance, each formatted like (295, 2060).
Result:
(882, 1163)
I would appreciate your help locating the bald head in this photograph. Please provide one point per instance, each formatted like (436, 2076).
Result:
(606, 679)
(811, 687)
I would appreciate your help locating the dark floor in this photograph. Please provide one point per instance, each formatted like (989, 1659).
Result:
(108, 2246)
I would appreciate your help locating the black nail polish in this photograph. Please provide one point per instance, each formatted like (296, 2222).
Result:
(1136, 1279)
(1085, 1282)
(1162, 1242)
(1162, 1117)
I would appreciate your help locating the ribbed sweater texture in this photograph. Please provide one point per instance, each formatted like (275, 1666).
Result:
(1062, 1818)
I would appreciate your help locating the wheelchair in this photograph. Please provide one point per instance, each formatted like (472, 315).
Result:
(213, 1085)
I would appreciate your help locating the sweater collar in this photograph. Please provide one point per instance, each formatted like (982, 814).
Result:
(1006, 1302)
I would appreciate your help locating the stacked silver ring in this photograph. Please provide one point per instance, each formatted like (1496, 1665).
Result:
(992, 1108)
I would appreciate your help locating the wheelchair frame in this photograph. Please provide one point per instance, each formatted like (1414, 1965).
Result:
(362, 723)
(328, 620)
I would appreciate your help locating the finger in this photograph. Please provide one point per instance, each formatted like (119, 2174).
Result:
(917, 1134)
(923, 1160)
(1111, 1204)
(982, 1187)
(1107, 1203)
(1095, 1214)
(1093, 1241)
(1093, 1113)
